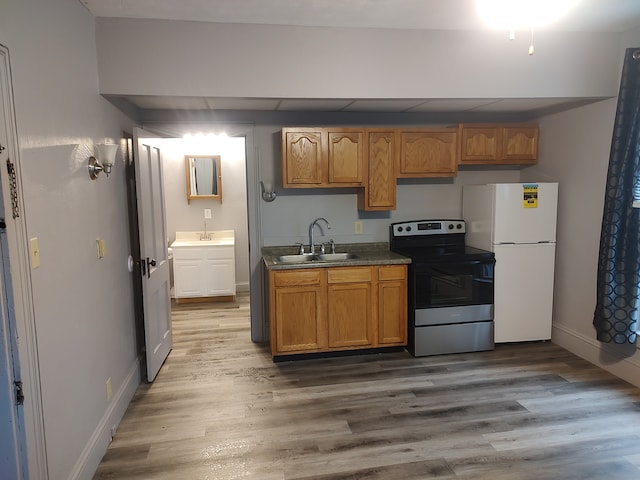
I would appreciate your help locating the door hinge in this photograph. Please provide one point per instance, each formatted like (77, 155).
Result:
(19, 392)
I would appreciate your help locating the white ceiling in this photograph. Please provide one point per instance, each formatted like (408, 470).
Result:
(589, 16)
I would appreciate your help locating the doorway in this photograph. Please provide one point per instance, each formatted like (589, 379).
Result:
(251, 214)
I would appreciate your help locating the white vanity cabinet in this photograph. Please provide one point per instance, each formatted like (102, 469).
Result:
(204, 268)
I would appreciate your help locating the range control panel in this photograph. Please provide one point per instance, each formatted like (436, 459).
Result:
(427, 227)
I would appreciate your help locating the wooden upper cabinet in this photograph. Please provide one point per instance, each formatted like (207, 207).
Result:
(520, 144)
(380, 186)
(498, 144)
(428, 153)
(345, 157)
(322, 157)
(303, 157)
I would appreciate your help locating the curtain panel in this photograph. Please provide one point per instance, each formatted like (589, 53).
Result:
(618, 282)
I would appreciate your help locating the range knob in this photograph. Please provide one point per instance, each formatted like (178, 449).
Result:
(459, 226)
(400, 229)
(451, 226)
(408, 229)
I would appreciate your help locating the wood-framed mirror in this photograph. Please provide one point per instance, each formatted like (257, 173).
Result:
(204, 177)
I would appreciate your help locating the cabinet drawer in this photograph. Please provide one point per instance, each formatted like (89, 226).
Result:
(297, 277)
(394, 272)
(349, 275)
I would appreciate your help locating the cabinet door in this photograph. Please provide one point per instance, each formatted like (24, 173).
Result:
(392, 305)
(479, 144)
(349, 312)
(430, 153)
(349, 315)
(380, 186)
(187, 276)
(520, 144)
(298, 322)
(345, 157)
(304, 158)
(219, 277)
(219, 270)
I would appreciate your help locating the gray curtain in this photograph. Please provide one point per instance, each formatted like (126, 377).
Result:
(618, 282)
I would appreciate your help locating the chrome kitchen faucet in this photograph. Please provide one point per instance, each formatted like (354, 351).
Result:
(312, 246)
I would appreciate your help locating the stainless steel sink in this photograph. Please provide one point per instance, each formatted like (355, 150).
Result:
(300, 258)
(332, 257)
(321, 257)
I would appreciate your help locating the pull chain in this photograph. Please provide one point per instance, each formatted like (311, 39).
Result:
(13, 185)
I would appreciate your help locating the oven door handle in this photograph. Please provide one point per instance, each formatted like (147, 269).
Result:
(422, 266)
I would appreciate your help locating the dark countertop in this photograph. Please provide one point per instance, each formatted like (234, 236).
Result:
(367, 254)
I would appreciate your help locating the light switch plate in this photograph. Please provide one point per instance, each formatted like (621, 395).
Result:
(207, 213)
(357, 227)
(101, 247)
(34, 249)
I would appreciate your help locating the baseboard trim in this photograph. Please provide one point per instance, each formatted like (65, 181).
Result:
(622, 361)
(92, 454)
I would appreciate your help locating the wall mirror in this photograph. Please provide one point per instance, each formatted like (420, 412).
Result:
(204, 178)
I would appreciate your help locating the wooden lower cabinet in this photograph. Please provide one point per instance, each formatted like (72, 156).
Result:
(298, 299)
(349, 303)
(392, 305)
(339, 308)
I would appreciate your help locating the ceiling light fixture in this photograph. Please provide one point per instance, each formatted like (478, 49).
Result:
(512, 15)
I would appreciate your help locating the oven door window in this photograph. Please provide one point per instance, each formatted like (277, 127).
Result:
(454, 284)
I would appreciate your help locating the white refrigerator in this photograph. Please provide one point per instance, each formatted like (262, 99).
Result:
(516, 221)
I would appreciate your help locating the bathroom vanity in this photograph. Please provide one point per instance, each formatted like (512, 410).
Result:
(204, 265)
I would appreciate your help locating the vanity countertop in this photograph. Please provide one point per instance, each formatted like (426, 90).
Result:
(195, 239)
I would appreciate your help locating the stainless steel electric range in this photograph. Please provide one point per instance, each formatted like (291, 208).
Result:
(450, 287)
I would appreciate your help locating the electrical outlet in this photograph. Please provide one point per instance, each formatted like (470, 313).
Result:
(207, 213)
(109, 390)
(357, 227)
(34, 248)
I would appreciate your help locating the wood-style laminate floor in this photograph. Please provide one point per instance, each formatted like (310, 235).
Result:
(221, 409)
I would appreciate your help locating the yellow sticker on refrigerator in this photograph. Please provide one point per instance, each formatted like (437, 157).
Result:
(530, 195)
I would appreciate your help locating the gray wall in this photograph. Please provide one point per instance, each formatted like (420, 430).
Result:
(208, 59)
(83, 306)
(574, 150)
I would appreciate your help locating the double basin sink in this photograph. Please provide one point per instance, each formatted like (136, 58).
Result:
(315, 257)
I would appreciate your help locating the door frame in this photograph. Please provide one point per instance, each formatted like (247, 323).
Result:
(259, 324)
(32, 420)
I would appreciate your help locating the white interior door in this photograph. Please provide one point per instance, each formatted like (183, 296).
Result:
(153, 250)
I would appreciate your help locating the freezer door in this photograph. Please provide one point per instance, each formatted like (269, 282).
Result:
(525, 212)
(523, 295)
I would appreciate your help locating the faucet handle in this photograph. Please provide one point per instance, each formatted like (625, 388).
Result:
(301, 249)
(322, 248)
(333, 246)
